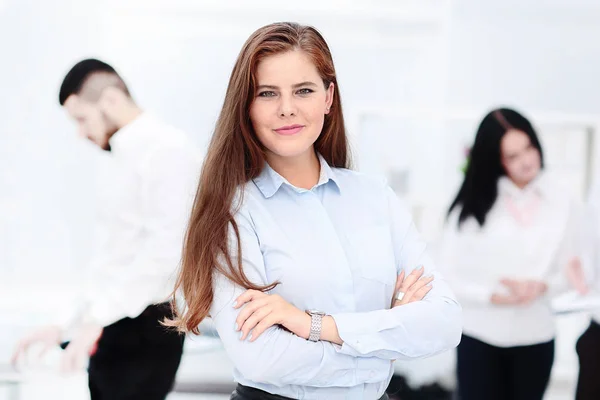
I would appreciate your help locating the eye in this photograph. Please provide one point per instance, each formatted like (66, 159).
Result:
(267, 93)
(305, 91)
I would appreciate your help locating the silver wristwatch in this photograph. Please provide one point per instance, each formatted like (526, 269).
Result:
(316, 323)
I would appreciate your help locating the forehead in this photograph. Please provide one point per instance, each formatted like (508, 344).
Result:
(515, 140)
(286, 68)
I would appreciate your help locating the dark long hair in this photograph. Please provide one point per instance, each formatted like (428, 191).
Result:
(234, 157)
(479, 189)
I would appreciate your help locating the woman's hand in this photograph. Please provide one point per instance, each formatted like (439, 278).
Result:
(520, 292)
(261, 311)
(576, 276)
(412, 288)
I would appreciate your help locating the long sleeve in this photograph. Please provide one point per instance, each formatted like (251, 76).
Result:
(279, 357)
(166, 194)
(465, 290)
(415, 330)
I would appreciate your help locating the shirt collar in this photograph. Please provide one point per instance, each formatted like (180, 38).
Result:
(125, 137)
(537, 186)
(269, 181)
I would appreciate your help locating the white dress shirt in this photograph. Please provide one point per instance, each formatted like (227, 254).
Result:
(528, 234)
(144, 209)
(337, 248)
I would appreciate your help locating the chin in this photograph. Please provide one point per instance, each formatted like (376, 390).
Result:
(291, 150)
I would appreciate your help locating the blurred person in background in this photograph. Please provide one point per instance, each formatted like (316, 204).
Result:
(586, 280)
(508, 240)
(314, 275)
(141, 223)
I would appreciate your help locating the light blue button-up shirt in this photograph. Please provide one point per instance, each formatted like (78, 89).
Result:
(337, 248)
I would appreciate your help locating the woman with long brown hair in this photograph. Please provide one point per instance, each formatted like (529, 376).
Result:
(313, 274)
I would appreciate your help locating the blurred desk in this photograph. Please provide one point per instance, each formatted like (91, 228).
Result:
(11, 379)
(573, 302)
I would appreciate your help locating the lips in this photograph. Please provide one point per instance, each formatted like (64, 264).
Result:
(289, 130)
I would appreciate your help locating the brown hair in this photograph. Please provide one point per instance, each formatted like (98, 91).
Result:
(234, 157)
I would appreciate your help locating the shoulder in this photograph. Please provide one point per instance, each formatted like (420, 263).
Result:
(167, 146)
(556, 189)
(246, 200)
(469, 225)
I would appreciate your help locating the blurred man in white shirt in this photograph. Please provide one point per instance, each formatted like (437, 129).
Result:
(585, 278)
(143, 215)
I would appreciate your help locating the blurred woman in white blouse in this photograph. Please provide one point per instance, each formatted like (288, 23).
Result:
(505, 249)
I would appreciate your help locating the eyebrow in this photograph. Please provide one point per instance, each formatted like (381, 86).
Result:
(295, 86)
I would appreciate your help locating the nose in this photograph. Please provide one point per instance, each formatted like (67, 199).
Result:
(287, 106)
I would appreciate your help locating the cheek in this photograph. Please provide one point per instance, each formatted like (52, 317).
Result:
(314, 111)
(537, 159)
(260, 120)
(509, 168)
(259, 116)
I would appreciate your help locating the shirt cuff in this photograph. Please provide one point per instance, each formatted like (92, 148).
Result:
(350, 334)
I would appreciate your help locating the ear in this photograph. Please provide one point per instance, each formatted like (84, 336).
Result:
(110, 99)
(329, 97)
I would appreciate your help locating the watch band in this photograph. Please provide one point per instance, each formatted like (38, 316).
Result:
(316, 324)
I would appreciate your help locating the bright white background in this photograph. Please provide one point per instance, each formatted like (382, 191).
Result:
(415, 75)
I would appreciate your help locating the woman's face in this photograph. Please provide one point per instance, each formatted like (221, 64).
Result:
(290, 104)
(520, 159)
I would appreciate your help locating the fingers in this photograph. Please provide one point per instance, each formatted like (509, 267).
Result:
(399, 281)
(421, 293)
(415, 287)
(411, 279)
(66, 361)
(74, 357)
(19, 351)
(523, 291)
(397, 286)
(247, 296)
(23, 347)
(500, 299)
(512, 284)
(262, 326)
(253, 320)
(418, 285)
(44, 350)
(248, 310)
(577, 277)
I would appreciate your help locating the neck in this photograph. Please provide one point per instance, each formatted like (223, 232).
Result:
(126, 115)
(302, 171)
(522, 185)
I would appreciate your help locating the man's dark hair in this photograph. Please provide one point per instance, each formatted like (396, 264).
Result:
(79, 74)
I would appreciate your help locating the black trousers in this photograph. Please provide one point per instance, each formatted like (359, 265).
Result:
(137, 358)
(249, 393)
(588, 350)
(503, 373)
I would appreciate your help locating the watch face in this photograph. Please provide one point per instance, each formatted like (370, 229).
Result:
(316, 312)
